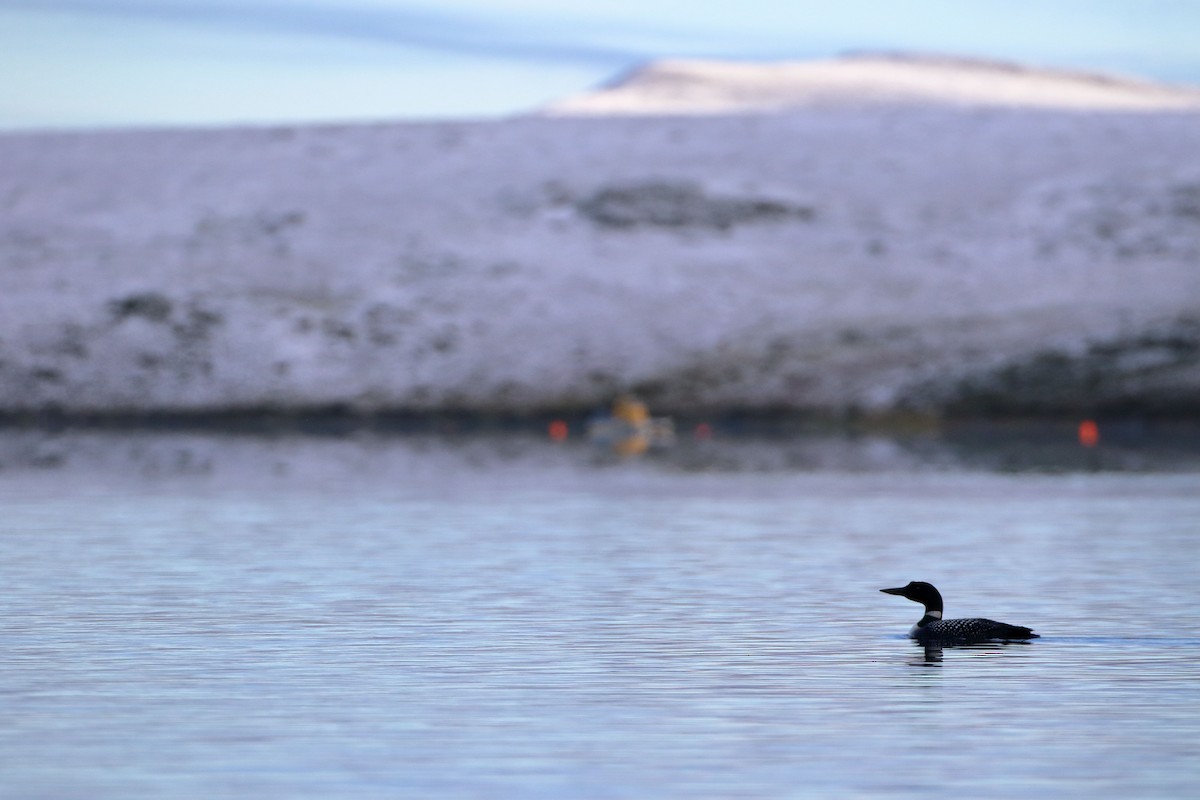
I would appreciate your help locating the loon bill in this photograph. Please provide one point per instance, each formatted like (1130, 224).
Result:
(931, 627)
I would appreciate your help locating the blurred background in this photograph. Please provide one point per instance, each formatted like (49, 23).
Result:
(479, 453)
(82, 63)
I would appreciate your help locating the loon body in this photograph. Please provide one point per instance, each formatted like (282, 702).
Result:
(932, 628)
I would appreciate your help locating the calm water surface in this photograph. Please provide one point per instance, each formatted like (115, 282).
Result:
(360, 618)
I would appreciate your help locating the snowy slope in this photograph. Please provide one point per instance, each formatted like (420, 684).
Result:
(924, 257)
(722, 87)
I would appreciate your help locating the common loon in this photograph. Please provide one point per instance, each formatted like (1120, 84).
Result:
(932, 627)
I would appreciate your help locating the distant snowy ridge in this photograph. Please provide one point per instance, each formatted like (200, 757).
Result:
(934, 259)
(721, 87)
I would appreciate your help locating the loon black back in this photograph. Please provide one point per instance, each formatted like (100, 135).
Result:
(931, 626)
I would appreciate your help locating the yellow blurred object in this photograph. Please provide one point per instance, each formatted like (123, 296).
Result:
(631, 445)
(629, 409)
(629, 430)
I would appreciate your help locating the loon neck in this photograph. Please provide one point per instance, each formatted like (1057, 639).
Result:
(931, 615)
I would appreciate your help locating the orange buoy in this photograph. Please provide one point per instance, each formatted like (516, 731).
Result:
(1089, 433)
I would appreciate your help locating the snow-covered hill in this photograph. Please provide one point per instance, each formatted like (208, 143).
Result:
(918, 257)
(723, 87)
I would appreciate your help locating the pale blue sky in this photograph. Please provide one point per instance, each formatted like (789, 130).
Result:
(84, 63)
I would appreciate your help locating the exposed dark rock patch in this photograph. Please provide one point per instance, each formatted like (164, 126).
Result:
(151, 306)
(664, 204)
(1146, 373)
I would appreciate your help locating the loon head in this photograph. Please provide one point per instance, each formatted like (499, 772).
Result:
(921, 592)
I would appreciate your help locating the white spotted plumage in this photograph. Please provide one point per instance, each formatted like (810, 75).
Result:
(931, 626)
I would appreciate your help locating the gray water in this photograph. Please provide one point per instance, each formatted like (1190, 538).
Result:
(188, 616)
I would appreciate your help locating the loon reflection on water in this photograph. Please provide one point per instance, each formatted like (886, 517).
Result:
(933, 650)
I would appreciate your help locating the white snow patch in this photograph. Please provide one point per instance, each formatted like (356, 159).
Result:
(722, 87)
